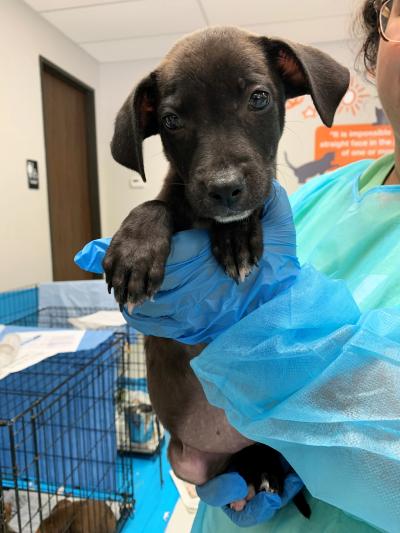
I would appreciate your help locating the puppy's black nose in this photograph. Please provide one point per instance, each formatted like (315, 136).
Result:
(226, 192)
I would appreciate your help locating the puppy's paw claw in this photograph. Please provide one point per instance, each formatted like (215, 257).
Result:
(238, 246)
(244, 271)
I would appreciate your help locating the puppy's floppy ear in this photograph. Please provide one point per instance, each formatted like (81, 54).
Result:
(136, 120)
(306, 70)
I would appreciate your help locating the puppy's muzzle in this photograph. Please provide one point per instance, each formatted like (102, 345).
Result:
(226, 192)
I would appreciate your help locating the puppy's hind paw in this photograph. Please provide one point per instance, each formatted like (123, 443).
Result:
(238, 505)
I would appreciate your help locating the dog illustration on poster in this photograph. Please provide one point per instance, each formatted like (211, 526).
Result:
(312, 168)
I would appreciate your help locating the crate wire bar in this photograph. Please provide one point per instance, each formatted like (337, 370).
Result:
(57, 436)
(58, 317)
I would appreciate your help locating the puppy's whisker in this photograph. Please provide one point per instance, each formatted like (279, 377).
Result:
(283, 165)
(294, 122)
(296, 134)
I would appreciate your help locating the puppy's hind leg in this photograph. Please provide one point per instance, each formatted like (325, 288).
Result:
(302, 505)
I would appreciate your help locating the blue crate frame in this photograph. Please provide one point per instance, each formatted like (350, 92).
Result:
(18, 303)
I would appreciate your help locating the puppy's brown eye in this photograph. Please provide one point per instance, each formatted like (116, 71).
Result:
(172, 122)
(259, 100)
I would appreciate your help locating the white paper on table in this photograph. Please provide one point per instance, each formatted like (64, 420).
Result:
(100, 319)
(22, 350)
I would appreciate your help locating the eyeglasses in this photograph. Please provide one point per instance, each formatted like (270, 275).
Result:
(389, 20)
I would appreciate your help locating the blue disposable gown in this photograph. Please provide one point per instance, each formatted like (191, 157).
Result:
(340, 431)
(308, 373)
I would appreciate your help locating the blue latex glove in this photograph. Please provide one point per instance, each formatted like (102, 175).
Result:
(90, 258)
(197, 300)
(226, 488)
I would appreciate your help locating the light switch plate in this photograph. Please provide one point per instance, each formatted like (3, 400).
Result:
(136, 182)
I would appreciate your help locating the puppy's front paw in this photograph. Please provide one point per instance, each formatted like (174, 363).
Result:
(238, 246)
(135, 261)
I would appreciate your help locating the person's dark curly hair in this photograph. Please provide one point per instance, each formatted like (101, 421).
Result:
(368, 30)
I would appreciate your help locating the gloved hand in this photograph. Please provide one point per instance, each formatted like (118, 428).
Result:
(229, 487)
(197, 300)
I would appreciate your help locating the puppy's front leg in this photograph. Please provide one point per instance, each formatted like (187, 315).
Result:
(135, 261)
(238, 246)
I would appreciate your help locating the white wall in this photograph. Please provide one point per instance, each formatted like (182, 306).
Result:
(116, 82)
(24, 220)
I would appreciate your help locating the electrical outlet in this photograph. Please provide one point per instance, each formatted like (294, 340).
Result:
(136, 182)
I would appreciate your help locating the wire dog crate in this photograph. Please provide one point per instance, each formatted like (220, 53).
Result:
(138, 428)
(58, 438)
(69, 426)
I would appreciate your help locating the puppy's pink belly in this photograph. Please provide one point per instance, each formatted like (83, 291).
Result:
(193, 465)
(201, 446)
(208, 430)
(202, 439)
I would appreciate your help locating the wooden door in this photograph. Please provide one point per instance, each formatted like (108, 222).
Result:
(71, 170)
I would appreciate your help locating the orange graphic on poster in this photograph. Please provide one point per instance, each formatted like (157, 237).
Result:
(351, 142)
(310, 112)
(354, 98)
(294, 102)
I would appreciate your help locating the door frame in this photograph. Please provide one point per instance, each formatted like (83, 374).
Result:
(49, 67)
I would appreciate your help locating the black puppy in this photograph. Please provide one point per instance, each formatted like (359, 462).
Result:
(218, 102)
(262, 469)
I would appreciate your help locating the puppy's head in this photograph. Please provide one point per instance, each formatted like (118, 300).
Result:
(218, 102)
